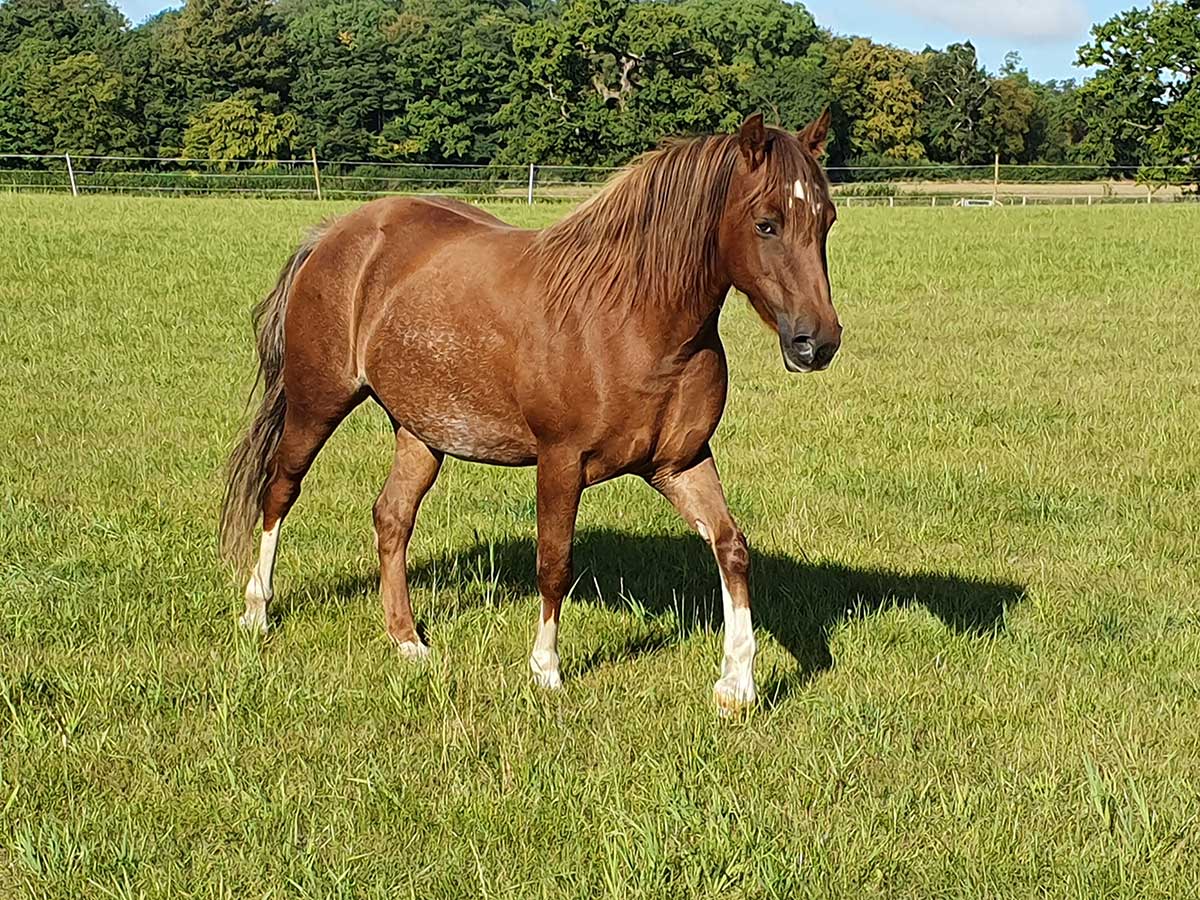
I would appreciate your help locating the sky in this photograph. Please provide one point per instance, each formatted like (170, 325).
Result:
(1045, 32)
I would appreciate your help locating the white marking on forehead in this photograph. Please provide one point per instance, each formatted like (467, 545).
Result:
(798, 190)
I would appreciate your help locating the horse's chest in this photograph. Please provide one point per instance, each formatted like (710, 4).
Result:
(693, 411)
(675, 415)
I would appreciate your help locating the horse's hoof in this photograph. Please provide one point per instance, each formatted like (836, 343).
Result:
(414, 650)
(551, 681)
(734, 696)
(545, 677)
(254, 621)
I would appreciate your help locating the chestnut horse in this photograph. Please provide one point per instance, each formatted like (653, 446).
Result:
(589, 349)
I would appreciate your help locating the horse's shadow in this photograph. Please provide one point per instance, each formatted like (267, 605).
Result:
(798, 603)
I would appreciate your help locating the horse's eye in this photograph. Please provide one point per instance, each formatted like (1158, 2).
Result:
(765, 228)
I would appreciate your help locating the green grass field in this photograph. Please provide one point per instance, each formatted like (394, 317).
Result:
(975, 576)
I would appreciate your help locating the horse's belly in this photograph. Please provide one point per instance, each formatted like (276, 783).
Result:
(470, 418)
(470, 435)
(467, 417)
(447, 384)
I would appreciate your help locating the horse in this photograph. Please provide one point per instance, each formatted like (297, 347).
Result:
(588, 349)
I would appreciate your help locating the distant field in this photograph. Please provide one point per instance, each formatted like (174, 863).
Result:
(976, 577)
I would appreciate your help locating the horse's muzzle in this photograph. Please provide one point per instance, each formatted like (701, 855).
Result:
(804, 353)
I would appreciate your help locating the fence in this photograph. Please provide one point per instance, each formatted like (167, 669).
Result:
(911, 185)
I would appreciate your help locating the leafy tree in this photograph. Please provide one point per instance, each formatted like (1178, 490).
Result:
(61, 84)
(1050, 128)
(571, 81)
(776, 54)
(70, 26)
(874, 85)
(968, 115)
(601, 81)
(211, 51)
(346, 87)
(1008, 117)
(957, 101)
(23, 73)
(1055, 128)
(453, 58)
(159, 107)
(88, 105)
(1142, 107)
(237, 129)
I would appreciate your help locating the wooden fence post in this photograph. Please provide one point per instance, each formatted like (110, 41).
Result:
(316, 172)
(71, 175)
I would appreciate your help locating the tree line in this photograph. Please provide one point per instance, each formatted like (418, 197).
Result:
(578, 82)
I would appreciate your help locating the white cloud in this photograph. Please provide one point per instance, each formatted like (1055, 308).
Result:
(1034, 20)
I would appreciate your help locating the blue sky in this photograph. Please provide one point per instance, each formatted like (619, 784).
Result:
(1045, 32)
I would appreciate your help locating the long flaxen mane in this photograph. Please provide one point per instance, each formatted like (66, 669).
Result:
(650, 237)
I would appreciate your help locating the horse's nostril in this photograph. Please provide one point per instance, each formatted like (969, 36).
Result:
(803, 348)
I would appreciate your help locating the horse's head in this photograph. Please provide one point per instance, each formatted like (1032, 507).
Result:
(776, 220)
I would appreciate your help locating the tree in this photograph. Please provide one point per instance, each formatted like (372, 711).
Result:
(1142, 107)
(346, 88)
(22, 73)
(874, 85)
(452, 67)
(69, 26)
(775, 53)
(159, 106)
(210, 51)
(1008, 113)
(88, 106)
(602, 81)
(569, 81)
(237, 129)
(60, 77)
(957, 102)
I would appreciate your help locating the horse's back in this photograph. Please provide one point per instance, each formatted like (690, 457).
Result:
(417, 299)
(434, 214)
(399, 248)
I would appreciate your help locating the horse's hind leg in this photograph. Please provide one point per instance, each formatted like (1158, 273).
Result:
(305, 431)
(414, 469)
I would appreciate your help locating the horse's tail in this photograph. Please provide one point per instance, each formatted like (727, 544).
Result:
(251, 465)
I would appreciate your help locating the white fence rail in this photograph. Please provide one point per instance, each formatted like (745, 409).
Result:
(892, 186)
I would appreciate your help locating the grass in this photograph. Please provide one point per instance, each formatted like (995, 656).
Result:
(975, 581)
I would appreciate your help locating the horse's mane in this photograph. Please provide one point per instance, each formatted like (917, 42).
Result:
(650, 237)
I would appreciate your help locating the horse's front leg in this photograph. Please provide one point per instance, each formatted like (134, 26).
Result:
(559, 484)
(696, 493)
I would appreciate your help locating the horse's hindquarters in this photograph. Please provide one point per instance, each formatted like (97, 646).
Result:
(435, 299)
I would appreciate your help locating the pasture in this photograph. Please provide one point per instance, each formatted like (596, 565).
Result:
(975, 577)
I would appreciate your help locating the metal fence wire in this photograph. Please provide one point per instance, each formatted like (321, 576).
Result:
(312, 178)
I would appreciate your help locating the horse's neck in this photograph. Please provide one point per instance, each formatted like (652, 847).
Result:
(670, 329)
(618, 258)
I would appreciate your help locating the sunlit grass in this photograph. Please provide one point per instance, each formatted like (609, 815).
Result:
(975, 577)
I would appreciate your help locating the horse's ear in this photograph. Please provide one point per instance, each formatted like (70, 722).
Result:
(752, 141)
(814, 136)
